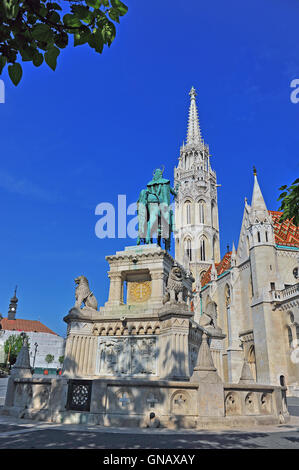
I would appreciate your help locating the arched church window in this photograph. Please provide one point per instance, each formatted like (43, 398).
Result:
(189, 249)
(188, 212)
(282, 381)
(258, 237)
(201, 212)
(214, 247)
(251, 361)
(202, 250)
(213, 215)
(290, 336)
(266, 234)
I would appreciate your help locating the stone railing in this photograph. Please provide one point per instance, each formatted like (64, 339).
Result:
(285, 294)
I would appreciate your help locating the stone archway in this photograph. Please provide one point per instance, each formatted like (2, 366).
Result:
(252, 361)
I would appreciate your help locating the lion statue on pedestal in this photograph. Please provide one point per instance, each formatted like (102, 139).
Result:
(84, 295)
(175, 287)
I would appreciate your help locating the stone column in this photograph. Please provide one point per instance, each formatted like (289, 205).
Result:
(115, 291)
(157, 285)
(68, 355)
(174, 355)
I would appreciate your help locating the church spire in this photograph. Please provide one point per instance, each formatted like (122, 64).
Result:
(258, 203)
(13, 306)
(193, 133)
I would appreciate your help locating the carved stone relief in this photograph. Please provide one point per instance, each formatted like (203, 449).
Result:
(232, 404)
(127, 356)
(179, 403)
(266, 403)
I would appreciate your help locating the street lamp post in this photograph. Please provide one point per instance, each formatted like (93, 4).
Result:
(35, 346)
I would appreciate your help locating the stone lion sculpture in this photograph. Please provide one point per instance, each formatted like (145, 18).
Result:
(175, 288)
(84, 295)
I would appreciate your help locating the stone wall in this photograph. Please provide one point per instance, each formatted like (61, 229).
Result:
(145, 403)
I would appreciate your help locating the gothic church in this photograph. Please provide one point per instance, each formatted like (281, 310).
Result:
(251, 295)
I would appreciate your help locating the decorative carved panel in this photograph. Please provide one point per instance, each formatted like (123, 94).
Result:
(127, 356)
(180, 403)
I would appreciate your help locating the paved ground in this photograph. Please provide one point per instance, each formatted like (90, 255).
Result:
(25, 434)
(31, 435)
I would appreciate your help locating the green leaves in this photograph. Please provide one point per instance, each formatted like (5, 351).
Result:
(71, 21)
(108, 33)
(38, 59)
(120, 7)
(94, 3)
(290, 202)
(15, 73)
(81, 38)
(37, 30)
(2, 63)
(51, 57)
(83, 13)
(11, 8)
(41, 32)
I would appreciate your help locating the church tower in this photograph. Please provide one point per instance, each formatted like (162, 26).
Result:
(12, 309)
(196, 208)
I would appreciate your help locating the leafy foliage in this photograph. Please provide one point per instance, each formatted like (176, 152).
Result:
(290, 202)
(49, 358)
(37, 30)
(13, 346)
(61, 359)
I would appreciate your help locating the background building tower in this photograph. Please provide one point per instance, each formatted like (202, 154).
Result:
(12, 309)
(196, 208)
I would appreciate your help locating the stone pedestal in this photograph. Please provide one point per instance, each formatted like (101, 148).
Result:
(141, 360)
(210, 385)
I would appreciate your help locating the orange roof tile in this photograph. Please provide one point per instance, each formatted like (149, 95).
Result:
(221, 267)
(25, 325)
(286, 233)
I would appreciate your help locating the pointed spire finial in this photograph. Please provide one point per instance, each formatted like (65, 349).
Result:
(193, 133)
(15, 293)
(234, 255)
(193, 93)
(257, 202)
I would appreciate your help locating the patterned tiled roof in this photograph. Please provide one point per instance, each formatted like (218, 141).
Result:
(25, 325)
(221, 267)
(286, 233)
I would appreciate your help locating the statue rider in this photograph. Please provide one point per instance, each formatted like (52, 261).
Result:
(154, 212)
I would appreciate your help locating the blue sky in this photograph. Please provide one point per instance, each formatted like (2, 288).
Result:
(100, 124)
